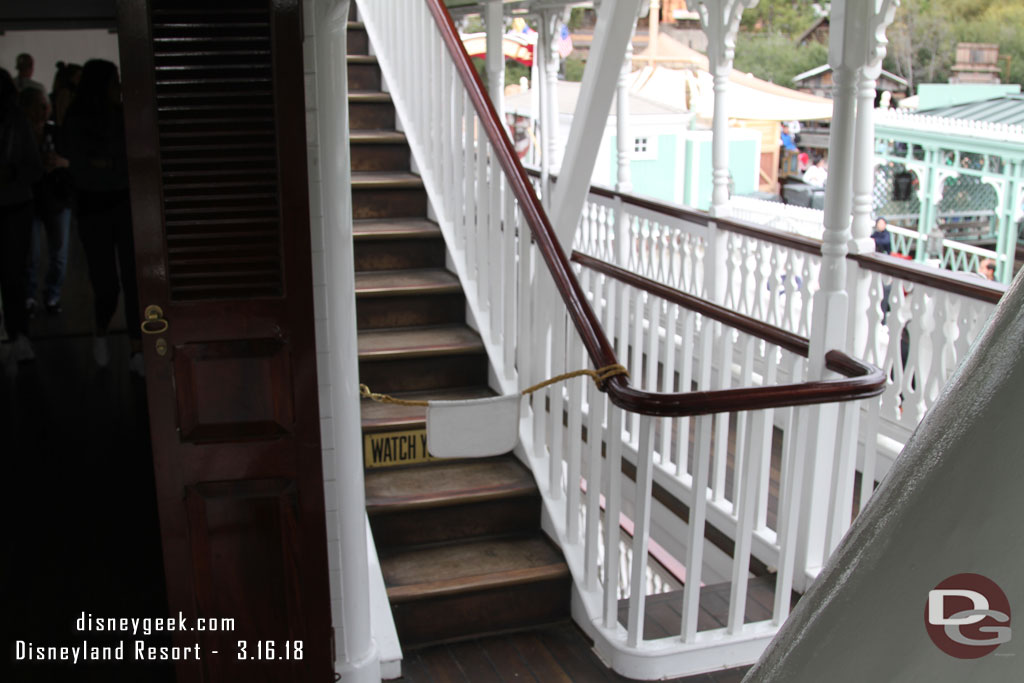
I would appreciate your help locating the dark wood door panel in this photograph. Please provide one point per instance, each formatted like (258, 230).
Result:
(215, 123)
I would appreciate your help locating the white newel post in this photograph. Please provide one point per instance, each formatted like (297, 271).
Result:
(721, 21)
(358, 657)
(624, 146)
(493, 20)
(847, 53)
(862, 223)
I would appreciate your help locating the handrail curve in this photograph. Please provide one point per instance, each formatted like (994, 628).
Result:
(863, 381)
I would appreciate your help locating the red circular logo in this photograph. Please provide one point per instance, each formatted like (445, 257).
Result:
(967, 616)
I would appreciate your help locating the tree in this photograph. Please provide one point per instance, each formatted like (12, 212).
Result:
(787, 17)
(776, 58)
(921, 42)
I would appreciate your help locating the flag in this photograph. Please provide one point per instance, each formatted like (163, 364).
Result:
(564, 42)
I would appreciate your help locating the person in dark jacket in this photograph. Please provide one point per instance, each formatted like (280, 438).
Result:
(20, 167)
(95, 148)
(882, 237)
(883, 245)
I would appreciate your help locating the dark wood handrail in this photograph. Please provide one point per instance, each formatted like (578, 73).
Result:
(864, 381)
(770, 333)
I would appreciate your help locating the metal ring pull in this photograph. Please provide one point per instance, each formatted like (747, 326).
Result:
(154, 322)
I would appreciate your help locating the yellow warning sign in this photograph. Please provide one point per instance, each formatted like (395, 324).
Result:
(385, 449)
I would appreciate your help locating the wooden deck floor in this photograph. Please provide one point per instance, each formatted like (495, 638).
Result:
(559, 653)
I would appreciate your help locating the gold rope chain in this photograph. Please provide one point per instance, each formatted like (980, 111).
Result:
(599, 376)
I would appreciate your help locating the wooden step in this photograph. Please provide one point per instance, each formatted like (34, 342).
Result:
(388, 194)
(399, 243)
(358, 42)
(418, 358)
(370, 109)
(379, 150)
(465, 589)
(408, 297)
(363, 72)
(450, 500)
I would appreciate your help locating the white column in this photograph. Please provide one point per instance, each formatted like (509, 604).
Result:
(493, 20)
(542, 58)
(552, 61)
(358, 658)
(862, 222)
(615, 20)
(721, 21)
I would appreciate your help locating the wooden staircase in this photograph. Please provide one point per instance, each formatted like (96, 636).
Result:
(459, 541)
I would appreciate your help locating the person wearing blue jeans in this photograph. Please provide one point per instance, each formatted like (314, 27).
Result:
(51, 205)
(55, 222)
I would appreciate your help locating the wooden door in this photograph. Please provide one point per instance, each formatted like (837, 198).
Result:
(213, 93)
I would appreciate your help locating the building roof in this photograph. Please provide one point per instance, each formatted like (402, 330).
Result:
(671, 51)
(569, 92)
(750, 98)
(825, 67)
(814, 27)
(1007, 109)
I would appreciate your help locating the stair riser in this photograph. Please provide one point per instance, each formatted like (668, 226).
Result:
(433, 525)
(363, 76)
(475, 614)
(399, 254)
(358, 42)
(371, 115)
(401, 203)
(408, 311)
(378, 157)
(417, 374)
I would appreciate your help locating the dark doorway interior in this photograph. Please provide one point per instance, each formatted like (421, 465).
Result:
(80, 528)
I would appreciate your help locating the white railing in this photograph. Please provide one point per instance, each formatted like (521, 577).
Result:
(999, 132)
(798, 220)
(501, 247)
(773, 278)
(918, 336)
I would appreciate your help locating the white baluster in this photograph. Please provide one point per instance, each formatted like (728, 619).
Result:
(641, 532)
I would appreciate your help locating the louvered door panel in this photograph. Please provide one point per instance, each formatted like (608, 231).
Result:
(218, 149)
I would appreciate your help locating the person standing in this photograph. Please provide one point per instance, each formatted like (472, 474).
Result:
(882, 236)
(25, 66)
(95, 147)
(52, 213)
(20, 167)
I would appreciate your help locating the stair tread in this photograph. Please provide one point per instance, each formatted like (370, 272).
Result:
(361, 59)
(378, 417)
(385, 180)
(435, 340)
(370, 136)
(373, 283)
(411, 228)
(356, 25)
(446, 569)
(446, 483)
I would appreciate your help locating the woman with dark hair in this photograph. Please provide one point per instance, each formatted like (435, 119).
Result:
(95, 148)
(20, 167)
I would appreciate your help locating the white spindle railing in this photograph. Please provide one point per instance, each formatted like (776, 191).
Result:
(956, 256)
